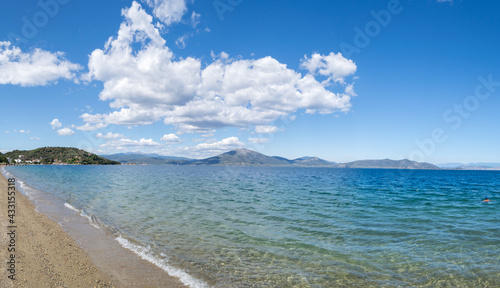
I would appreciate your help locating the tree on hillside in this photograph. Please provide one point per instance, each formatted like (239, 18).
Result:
(3, 159)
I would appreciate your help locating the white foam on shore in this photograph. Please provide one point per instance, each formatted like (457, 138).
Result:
(146, 254)
(4, 172)
(71, 207)
(24, 188)
(82, 213)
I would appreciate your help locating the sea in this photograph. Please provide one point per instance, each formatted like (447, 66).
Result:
(216, 226)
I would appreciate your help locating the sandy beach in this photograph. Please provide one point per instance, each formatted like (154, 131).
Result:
(47, 256)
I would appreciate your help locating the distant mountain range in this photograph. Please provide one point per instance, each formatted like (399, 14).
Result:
(389, 164)
(149, 159)
(471, 166)
(245, 157)
(238, 157)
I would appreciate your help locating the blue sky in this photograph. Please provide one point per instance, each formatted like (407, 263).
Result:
(341, 80)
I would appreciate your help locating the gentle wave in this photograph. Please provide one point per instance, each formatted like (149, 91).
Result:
(24, 188)
(4, 172)
(82, 213)
(71, 207)
(146, 254)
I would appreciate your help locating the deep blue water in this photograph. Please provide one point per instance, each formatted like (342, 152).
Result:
(295, 227)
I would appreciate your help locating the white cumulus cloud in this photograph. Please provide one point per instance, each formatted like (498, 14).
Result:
(168, 11)
(90, 127)
(222, 145)
(266, 129)
(55, 124)
(334, 66)
(34, 68)
(171, 138)
(145, 83)
(148, 78)
(65, 132)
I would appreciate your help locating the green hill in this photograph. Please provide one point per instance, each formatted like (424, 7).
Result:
(55, 155)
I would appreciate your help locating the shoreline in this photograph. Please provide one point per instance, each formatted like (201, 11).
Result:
(55, 249)
(45, 255)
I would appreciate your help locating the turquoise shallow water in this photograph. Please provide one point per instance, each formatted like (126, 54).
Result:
(294, 227)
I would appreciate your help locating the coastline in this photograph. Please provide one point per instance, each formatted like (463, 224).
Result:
(50, 254)
(46, 255)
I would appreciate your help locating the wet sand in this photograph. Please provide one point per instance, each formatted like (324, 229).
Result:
(48, 255)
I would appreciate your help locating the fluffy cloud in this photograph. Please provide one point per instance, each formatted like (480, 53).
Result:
(109, 136)
(171, 138)
(129, 144)
(168, 11)
(90, 127)
(219, 146)
(264, 129)
(65, 132)
(148, 78)
(146, 83)
(55, 124)
(334, 66)
(36, 68)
